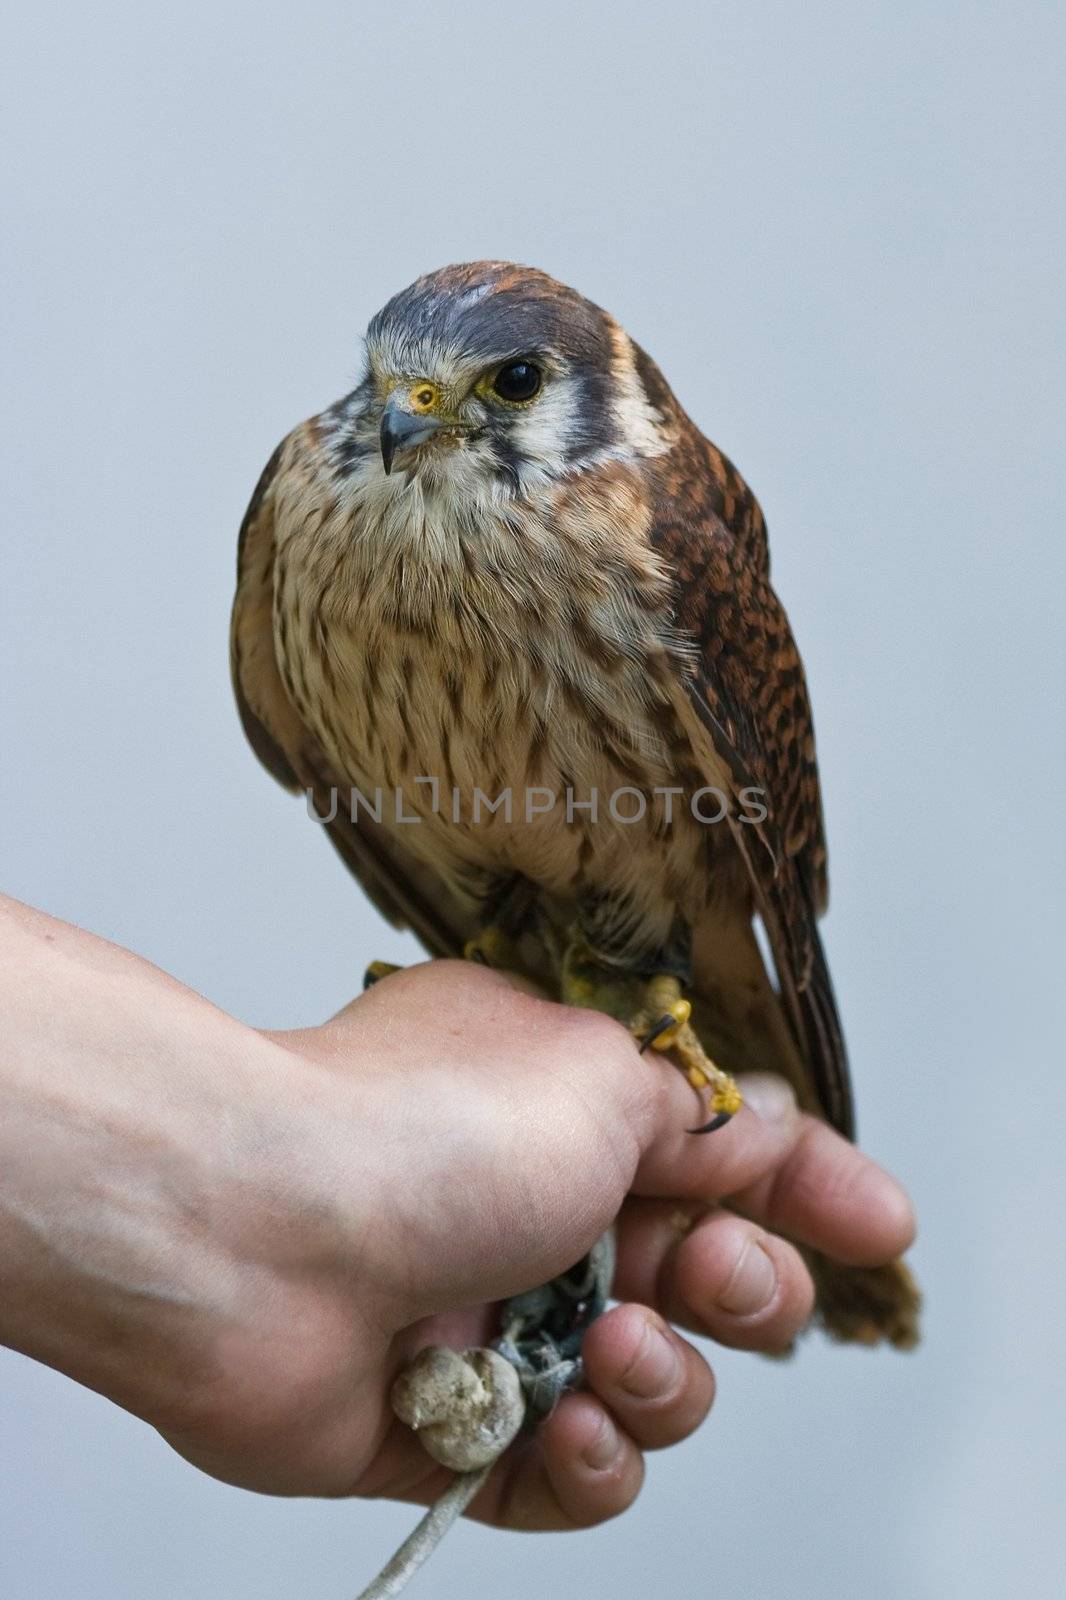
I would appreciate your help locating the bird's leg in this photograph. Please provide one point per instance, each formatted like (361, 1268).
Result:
(509, 936)
(492, 946)
(658, 1016)
(664, 1024)
(376, 970)
(499, 920)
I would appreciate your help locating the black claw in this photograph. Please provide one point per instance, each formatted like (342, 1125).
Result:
(716, 1122)
(370, 977)
(663, 1025)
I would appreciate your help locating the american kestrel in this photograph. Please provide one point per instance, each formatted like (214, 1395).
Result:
(506, 615)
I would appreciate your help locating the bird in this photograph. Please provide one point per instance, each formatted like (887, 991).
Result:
(505, 615)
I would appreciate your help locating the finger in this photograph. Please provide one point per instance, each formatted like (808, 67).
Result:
(579, 1469)
(711, 1166)
(656, 1386)
(825, 1192)
(714, 1273)
(789, 1172)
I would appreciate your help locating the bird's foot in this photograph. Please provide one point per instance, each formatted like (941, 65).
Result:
(658, 1015)
(376, 970)
(663, 1023)
(492, 947)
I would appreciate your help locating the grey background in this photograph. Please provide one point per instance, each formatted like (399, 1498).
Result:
(839, 229)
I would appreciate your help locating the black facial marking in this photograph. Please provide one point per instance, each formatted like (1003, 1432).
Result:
(349, 447)
(658, 391)
(506, 458)
(592, 426)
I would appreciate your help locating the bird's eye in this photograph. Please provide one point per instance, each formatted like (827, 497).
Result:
(517, 381)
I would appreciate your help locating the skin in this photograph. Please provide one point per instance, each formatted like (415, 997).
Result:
(242, 1237)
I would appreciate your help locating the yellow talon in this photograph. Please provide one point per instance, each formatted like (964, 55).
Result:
(698, 1078)
(658, 1016)
(377, 970)
(680, 1010)
(491, 947)
(727, 1097)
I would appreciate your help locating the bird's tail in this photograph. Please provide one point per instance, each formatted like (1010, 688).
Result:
(865, 1305)
(740, 1019)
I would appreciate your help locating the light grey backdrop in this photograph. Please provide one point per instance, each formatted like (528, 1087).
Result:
(839, 229)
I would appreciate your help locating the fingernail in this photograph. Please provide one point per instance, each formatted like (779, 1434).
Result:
(656, 1367)
(753, 1284)
(601, 1451)
(770, 1097)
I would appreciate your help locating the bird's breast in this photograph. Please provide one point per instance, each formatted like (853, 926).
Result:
(499, 680)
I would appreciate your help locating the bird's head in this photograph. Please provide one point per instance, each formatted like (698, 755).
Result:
(497, 373)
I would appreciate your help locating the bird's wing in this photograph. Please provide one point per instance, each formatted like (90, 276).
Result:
(405, 892)
(743, 702)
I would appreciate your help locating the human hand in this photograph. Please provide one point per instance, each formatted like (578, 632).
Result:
(503, 1135)
(243, 1237)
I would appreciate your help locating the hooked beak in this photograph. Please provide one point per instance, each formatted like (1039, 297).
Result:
(403, 429)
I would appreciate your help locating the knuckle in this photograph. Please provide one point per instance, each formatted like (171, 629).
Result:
(596, 1032)
(803, 1178)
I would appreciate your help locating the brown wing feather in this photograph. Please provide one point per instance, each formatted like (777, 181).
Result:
(744, 703)
(404, 891)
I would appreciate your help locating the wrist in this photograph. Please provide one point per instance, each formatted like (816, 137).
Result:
(149, 1196)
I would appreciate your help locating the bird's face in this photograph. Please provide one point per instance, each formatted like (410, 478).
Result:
(497, 376)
